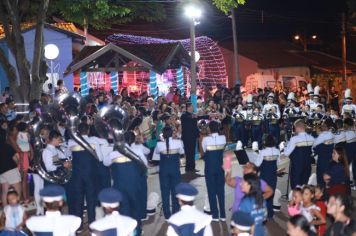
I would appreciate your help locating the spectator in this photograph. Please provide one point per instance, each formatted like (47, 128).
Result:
(299, 226)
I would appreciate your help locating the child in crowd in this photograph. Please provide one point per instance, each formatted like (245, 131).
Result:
(23, 141)
(296, 202)
(309, 210)
(13, 216)
(320, 202)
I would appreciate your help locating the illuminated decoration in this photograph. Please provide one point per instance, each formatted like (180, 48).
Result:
(180, 80)
(114, 79)
(153, 85)
(212, 70)
(84, 88)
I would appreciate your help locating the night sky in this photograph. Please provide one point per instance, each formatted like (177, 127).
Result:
(257, 19)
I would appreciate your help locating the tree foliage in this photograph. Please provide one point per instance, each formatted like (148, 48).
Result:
(226, 5)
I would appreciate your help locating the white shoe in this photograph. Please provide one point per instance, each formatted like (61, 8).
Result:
(215, 219)
(223, 219)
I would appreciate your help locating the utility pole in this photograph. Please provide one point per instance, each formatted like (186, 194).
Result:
(344, 65)
(193, 70)
(236, 55)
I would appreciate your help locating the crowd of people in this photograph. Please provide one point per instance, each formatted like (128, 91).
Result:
(310, 126)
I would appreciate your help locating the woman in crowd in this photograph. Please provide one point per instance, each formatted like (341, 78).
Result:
(299, 226)
(340, 207)
(253, 202)
(338, 174)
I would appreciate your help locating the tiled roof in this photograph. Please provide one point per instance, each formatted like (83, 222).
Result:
(68, 28)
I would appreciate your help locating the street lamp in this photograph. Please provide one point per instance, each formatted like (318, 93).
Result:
(51, 53)
(193, 13)
(304, 40)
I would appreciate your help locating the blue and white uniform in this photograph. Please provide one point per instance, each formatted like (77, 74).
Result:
(113, 225)
(340, 137)
(169, 173)
(213, 147)
(349, 108)
(323, 147)
(54, 224)
(299, 150)
(127, 178)
(104, 180)
(84, 180)
(267, 161)
(50, 155)
(189, 219)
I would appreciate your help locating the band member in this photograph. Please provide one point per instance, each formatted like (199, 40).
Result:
(299, 150)
(242, 224)
(349, 107)
(188, 221)
(340, 135)
(113, 224)
(316, 98)
(84, 182)
(267, 161)
(54, 159)
(169, 174)
(290, 113)
(323, 147)
(256, 127)
(127, 178)
(249, 116)
(53, 222)
(239, 124)
(273, 117)
(213, 147)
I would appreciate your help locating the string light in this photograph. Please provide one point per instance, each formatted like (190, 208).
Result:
(114, 76)
(84, 89)
(211, 58)
(153, 85)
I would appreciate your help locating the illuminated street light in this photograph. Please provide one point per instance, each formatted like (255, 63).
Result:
(297, 37)
(314, 36)
(193, 13)
(51, 52)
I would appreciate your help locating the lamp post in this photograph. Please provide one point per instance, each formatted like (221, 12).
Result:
(193, 13)
(51, 53)
(304, 40)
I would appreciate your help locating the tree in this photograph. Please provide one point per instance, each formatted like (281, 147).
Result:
(26, 79)
(12, 14)
(101, 14)
(226, 5)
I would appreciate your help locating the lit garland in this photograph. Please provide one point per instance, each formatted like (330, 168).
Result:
(84, 89)
(153, 85)
(114, 78)
(180, 80)
(214, 65)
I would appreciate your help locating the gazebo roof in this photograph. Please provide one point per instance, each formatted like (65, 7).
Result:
(111, 57)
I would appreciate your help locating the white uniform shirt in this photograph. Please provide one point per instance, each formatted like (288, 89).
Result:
(213, 139)
(348, 108)
(50, 154)
(189, 215)
(93, 141)
(324, 137)
(124, 225)
(267, 107)
(350, 136)
(267, 152)
(141, 151)
(340, 136)
(174, 144)
(60, 225)
(302, 139)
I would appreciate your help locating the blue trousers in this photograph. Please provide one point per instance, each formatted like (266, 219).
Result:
(143, 195)
(104, 177)
(83, 184)
(169, 178)
(240, 132)
(350, 149)
(127, 179)
(300, 166)
(324, 153)
(257, 134)
(215, 182)
(274, 130)
(268, 172)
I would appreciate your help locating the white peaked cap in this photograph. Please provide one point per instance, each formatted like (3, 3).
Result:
(291, 96)
(238, 146)
(310, 88)
(255, 146)
(249, 98)
(316, 90)
(348, 94)
(271, 95)
(312, 180)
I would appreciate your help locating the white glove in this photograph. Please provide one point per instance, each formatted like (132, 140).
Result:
(282, 145)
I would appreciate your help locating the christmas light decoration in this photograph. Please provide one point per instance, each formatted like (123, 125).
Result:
(210, 56)
(84, 88)
(180, 80)
(114, 78)
(153, 85)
